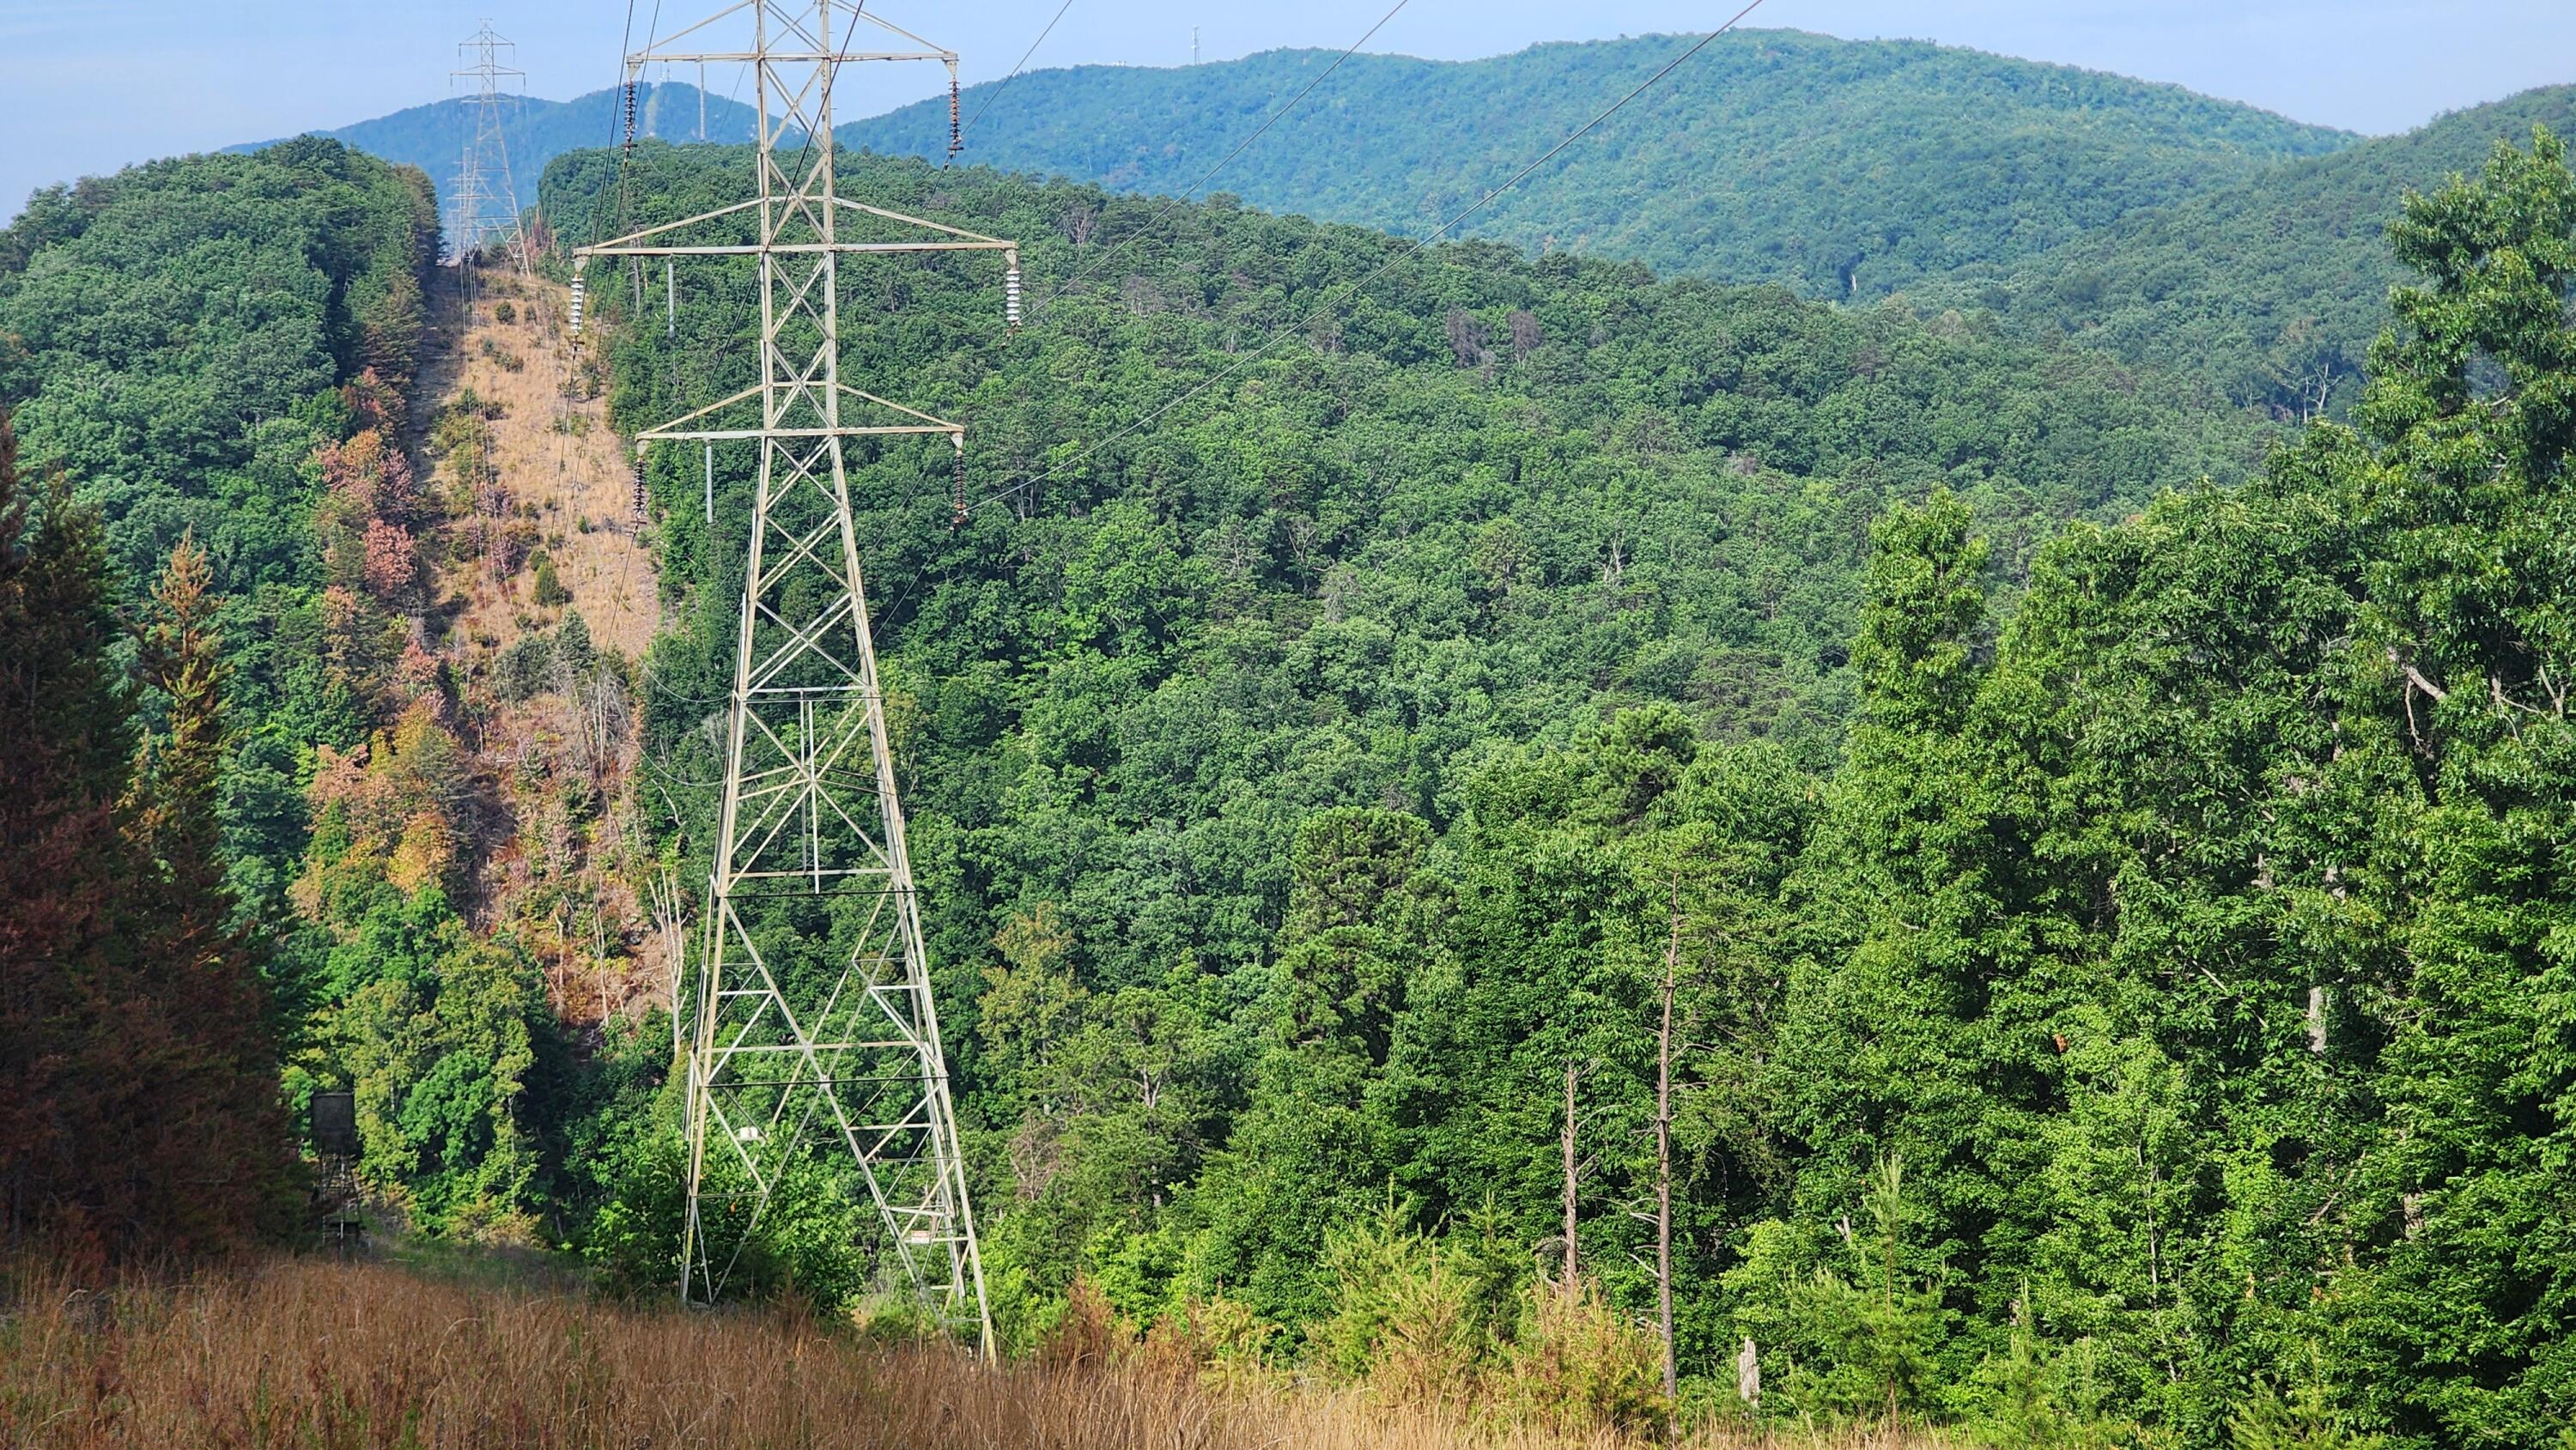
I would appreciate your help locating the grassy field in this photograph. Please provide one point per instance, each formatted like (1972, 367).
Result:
(310, 1353)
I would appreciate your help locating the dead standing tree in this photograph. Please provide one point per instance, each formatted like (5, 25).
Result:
(1664, 1149)
(1576, 1166)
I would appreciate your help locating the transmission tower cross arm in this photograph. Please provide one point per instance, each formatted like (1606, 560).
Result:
(817, 57)
(673, 431)
(654, 241)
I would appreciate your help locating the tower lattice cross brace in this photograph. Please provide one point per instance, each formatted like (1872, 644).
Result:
(814, 1063)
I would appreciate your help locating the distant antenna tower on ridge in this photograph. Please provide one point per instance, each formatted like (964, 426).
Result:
(1194, 45)
(479, 215)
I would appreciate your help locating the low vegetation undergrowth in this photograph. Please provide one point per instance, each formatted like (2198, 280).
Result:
(313, 1353)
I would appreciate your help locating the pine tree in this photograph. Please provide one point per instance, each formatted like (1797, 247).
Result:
(65, 719)
(223, 1164)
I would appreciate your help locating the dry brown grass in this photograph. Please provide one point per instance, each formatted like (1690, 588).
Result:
(315, 1354)
(581, 484)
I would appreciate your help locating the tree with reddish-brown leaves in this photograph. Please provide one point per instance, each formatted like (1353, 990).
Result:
(138, 1087)
(67, 721)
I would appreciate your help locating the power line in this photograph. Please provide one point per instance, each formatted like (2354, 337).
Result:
(1171, 203)
(1408, 250)
(996, 93)
(616, 107)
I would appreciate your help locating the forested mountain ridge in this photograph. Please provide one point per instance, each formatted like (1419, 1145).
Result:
(433, 137)
(2271, 287)
(1841, 168)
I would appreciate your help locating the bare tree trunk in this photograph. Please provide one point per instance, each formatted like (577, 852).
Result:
(1572, 1173)
(1664, 1154)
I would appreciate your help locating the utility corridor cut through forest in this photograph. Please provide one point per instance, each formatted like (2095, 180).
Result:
(2056, 877)
(552, 451)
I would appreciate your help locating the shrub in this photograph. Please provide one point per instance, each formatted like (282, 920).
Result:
(1401, 1316)
(1857, 1334)
(1581, 1369)
(503, 312)
(2299, 1420)
(526, 668)
(550, 588)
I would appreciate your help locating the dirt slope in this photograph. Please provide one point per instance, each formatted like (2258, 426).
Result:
(513, 434)
(554, 453)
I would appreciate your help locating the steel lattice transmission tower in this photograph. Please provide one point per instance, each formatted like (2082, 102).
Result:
(477, 213)
(812, 1046)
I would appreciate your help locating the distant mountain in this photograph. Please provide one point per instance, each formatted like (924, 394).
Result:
(2270, 287)
(1843, 168)
(433, 137)
(2164, 226)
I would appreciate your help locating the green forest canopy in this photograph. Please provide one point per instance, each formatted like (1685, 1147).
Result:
(2268, 287)
(1842, 168)
(2114, 916)
(1305, 786)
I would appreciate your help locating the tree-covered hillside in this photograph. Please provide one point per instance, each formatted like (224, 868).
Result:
(192, 350)
(1841, 168)
(299, 744)
(1366, 580)
(1341, 805)
(1655, 489)
(2269, 287)
(164, 333)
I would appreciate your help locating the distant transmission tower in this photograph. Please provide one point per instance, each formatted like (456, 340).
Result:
(813, 1053)
(478, 215)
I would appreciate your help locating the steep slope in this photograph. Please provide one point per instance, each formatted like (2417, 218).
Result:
(1843, 168)
(2271, 287)
(545, 440)
(1477, 512)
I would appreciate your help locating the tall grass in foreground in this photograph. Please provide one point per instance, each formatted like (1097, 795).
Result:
(323, 1355)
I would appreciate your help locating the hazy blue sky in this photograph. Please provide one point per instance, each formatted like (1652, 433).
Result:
(91, 85)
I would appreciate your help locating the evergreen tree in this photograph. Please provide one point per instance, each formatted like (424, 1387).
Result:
(66, 717)
(220, 1144)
